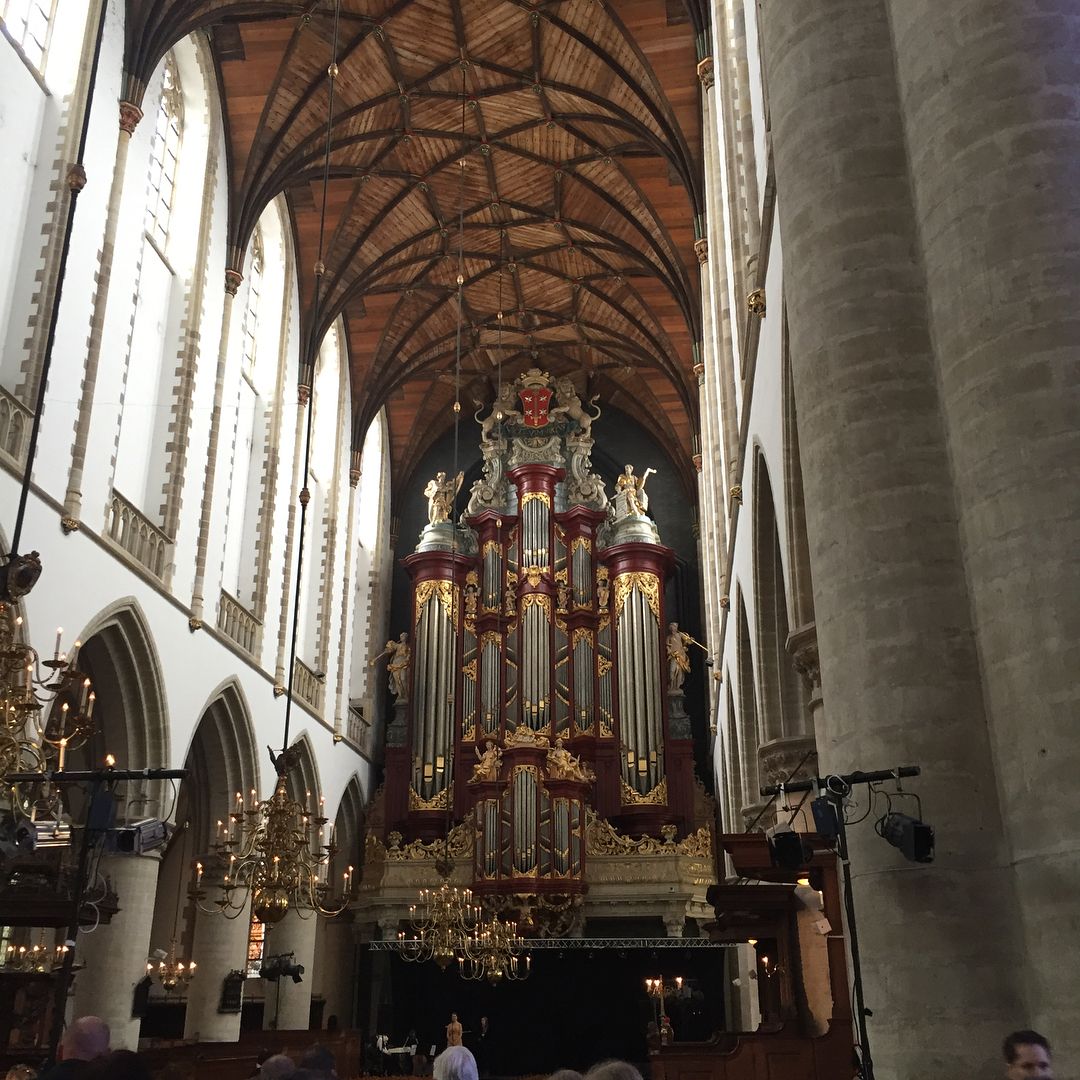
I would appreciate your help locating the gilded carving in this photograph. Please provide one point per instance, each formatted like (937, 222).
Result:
(581, 634)
(602, 838)
(529, 496)
(459, 844)
(439, 801)
(523, 735)
(441, 588)
(538, 599)
(646, 582)
(656, 797)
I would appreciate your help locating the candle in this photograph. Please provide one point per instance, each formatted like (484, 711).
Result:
(253, 802)
(59, 635)
(63, 751)
(110, 761)
(198, 874)
(29, 681)
(90, 705)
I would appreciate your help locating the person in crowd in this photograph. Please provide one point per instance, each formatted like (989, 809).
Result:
(1027, 1056)
(453, 1031)
(21, 1072)
(118, 1065)
(566, 1074)
(317, 1063)
(456, 1063)
(613, 1070)
(277, 1067)
(84, 1040)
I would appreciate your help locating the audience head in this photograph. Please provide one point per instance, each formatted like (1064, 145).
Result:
(85, 1039)
(455, 1063)
(1027, 1056)
(21, 1072)
(565, 1074)
(318, 1060)
(277, 1067)
(118, 1065)
(613, 1070)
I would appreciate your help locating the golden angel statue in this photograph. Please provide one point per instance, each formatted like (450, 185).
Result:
(440, 494)
(399, 656)
(633, 488)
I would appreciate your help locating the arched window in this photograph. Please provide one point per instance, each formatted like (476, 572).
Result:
(29, 22)
(164, 156)
(166, 222)
(257, 369)
(252, 400)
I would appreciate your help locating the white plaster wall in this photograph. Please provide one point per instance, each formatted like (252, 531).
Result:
(22, 111)
(84, 574)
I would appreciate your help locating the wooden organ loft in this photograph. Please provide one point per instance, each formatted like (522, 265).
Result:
(538, 690)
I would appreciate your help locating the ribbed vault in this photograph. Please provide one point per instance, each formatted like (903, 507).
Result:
(548, 153)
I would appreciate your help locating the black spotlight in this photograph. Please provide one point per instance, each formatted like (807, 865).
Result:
(788, 850)
(295, 971)
(914, 838)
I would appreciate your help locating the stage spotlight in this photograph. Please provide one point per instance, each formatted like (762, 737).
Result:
(913, 838)
(788, 850)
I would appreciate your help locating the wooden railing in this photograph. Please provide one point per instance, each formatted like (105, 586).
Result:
(307, 685)
(15, 422)
(138, 536)
(236, 622)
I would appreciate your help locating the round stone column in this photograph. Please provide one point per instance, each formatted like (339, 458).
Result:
(991, 103)
(288, 1004)
(899, 667)
(220, 946)
(115, 954)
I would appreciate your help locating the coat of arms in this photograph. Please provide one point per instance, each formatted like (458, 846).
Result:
(535, 401)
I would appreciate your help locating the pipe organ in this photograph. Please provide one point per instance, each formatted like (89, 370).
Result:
(539, 670)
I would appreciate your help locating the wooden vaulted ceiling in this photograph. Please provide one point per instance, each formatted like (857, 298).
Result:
(547, 152)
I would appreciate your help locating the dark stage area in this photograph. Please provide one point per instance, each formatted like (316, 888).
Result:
(576, 1008)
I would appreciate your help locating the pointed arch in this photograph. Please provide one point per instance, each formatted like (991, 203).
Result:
(798, 549)
(781, 694)
(349, 824)
(119, 655)
(304, 777)
(222, 759)
(747, 712)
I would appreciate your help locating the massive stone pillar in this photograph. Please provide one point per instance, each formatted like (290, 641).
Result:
(220, 946)
(899, 666)
(288, 1005)
(115, 954)
(991, 106)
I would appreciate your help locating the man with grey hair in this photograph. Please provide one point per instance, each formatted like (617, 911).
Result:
(84, 1039)
(455, 1063)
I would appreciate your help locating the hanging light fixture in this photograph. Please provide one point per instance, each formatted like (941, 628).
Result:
(272, 851)
(499, 954)
(169, 971)
(445, 927)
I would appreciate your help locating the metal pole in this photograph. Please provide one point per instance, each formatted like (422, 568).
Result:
(856, 962)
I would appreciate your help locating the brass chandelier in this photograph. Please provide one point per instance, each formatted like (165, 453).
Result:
(273, 852)
(445, 929)
(169, 971)
(449, 927)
